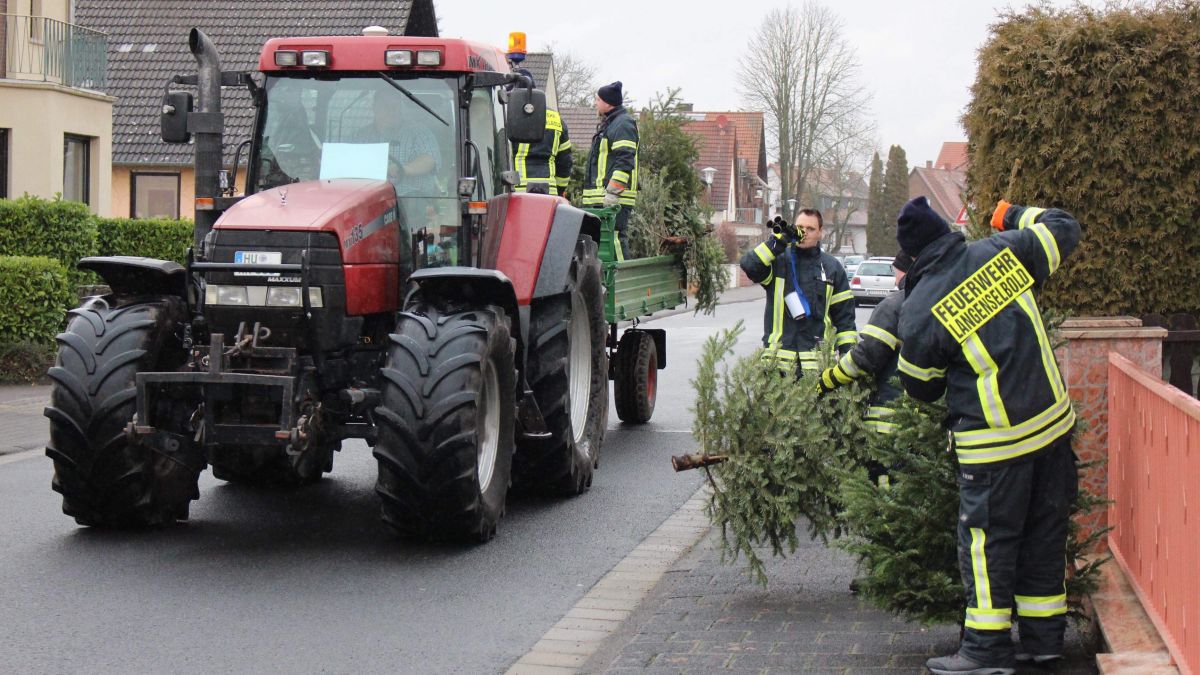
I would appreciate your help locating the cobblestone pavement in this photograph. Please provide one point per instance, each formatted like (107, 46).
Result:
(709, 617)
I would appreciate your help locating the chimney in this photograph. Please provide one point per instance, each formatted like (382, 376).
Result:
(929, 164)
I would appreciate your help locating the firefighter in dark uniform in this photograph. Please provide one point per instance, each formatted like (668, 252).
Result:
(544, 167)
(612, 171)
(875, 355)
(971, 329)
(808, 294)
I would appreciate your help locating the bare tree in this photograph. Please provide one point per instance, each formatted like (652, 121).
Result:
(574, 78)
(838, 176)
(802, 73)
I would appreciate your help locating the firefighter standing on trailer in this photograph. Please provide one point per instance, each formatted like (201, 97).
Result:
(971, 329)
(808, 294)
(545, 167)
(612, 172)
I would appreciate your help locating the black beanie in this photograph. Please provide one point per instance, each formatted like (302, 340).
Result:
(902, 261)
(918, 226)
(611, 94)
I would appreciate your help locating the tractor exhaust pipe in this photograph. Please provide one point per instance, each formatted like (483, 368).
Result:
(207, 127)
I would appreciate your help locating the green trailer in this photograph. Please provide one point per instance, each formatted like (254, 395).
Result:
(636, 288)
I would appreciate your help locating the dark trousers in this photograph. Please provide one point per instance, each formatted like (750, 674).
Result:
(622, 229)
(1012, 537)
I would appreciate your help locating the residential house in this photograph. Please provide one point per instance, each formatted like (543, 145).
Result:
(581, 126)
(732, 163)
(147, 45)
(943, 181)
(842, 201)
(55, 115)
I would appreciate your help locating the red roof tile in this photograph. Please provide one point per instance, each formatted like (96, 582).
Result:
(943, 187)
(717, 147)
(750, 129)
(953, 156)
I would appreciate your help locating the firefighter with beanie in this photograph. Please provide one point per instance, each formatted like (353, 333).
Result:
(544, 167)
(970, 328)
(612, 169)
(808, 294)
(875, 355)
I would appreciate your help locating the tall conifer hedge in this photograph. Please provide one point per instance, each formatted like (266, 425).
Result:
(1099, 112)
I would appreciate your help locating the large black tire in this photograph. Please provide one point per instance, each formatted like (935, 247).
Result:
(105, 480)
(564, 462)
(446, 418)
(636, 377)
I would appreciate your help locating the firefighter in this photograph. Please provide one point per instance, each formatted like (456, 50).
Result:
(545, 167)
(875, 354)
(971, 328)
(612, 171)
(808, 294)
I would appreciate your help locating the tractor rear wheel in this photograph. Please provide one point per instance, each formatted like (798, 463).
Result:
(636, 377)
(446, 423)
(567, 370)
(106, 480)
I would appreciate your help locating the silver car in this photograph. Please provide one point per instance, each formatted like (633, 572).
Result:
(873, 281)
(851, 263)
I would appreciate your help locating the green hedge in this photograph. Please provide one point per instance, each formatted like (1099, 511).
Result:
(64, 231)
(35, 294)
(1101, 108)
(151, 237)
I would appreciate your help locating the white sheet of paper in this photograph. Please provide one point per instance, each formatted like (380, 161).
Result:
(354, 160)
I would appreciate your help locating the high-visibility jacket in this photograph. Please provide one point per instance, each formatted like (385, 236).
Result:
(547, 161)
(971, 328)
(831, 305)
(613, 159)
(876, 355)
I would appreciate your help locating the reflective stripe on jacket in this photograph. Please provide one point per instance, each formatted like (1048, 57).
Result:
(971, 327)
(547, 161)
(613, 158)
(876, 355)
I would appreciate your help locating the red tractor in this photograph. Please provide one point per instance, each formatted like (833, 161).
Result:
(378, 280)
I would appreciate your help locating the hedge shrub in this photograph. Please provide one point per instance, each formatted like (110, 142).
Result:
(35, 294)
(150, 237)
(64, 231)
(1101, 108)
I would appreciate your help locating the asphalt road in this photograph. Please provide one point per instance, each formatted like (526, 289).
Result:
(310, 580)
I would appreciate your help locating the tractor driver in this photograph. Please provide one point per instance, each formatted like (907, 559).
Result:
(413, 155)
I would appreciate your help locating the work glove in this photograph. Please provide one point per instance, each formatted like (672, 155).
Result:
(1002, 208)
(777, 244)
(832, 378)
(612, 199)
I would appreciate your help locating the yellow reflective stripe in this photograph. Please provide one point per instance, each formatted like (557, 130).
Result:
(983, 587)
(621, 177)
(924, 374)
(987, 381)
(1000, 453)
(881, 427)
(841, 375)
(842, 297)
(777, 315)
(829, 303)
(764, 254)
(565, 145)
(847, 337)
(522, 155)
(976, 437)
(988, 619)
(808, 360)
(624, 144)
(601, 163)
(1049, 363)
(1041, 605)
(770, 278)
(1029, 215)
(880, 411)
(871, 330)
(849, 366)
(1049, 245)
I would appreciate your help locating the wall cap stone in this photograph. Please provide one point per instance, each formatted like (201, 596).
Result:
(1081, 322)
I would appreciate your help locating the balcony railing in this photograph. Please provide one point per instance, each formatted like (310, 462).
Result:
(47, 50)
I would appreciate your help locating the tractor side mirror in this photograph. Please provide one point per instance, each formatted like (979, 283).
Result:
(175, 108)
(526, 115)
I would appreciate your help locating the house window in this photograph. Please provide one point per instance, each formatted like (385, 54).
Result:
(76, 168)
(154, 195)
(3, 163)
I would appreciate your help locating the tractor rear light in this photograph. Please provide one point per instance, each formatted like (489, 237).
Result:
(476, 208)
(397, 57)
(315, 59)
(204, 203)
(287, 58)
(286, 296)
(430, 57)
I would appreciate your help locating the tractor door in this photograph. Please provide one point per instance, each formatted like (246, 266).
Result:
(486, 132)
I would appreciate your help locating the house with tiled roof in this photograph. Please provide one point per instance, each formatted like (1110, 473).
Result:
(581, 125)
(750, 129)
(147, 44)
(943, 180)
(541, 66)
(716, 162)
(952, 157)
(56, 111)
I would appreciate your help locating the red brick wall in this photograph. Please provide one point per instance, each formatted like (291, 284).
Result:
(1084, 364)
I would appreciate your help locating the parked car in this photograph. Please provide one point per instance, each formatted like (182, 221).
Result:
(851, 263)
(872, 281)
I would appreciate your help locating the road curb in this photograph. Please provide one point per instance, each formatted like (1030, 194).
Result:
(568, 644)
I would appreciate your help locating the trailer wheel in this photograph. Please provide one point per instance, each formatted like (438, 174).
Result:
(567, 369)
(636, 377)
(446, 423)
(105, 480)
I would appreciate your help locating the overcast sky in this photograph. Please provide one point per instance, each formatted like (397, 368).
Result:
(917, 57)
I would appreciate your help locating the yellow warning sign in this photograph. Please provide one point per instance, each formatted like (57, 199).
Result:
(975, 301)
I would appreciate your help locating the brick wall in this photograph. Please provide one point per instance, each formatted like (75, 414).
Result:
(1084, 364)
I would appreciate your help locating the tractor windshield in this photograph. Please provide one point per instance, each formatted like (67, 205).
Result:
(364, 127)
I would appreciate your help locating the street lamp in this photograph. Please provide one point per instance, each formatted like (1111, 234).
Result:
(791, 208)
(707, 174)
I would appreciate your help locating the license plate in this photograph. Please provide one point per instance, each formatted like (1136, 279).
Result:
(257, 257)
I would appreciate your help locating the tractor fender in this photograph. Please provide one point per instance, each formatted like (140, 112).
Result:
(473, 286)
(569, 223)
(133, 275)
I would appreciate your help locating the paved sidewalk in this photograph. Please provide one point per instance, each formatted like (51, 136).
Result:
(22, 425)
(706, 617)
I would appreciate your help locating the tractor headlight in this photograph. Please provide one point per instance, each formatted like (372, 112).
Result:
(286, 58)
(261, 296)
(288, 296)
(315, 59)
(397, 57)
(429, 57)
(226, 295)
